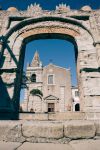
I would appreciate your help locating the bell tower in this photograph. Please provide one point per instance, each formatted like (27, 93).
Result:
(36, 60)
(34, 73)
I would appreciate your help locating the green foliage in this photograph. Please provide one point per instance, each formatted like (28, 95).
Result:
(36, 92)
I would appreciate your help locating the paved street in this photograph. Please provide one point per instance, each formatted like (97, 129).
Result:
(73, 145)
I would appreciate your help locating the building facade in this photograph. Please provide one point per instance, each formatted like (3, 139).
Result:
(75, 97)
(53, 82)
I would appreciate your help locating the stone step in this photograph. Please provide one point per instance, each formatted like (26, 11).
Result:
(48, 131)
(73, 145)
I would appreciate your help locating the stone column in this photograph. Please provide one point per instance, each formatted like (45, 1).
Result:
(88, 75)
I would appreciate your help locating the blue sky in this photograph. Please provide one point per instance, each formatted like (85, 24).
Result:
(61, 52)
(50, 4)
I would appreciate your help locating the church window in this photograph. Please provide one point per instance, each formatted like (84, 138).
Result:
(76, 93)
(33, 78)
(50, 79)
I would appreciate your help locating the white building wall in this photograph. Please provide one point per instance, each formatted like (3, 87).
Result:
(62, 99)
(75, 97)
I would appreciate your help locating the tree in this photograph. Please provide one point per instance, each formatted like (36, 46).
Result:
(36, 92)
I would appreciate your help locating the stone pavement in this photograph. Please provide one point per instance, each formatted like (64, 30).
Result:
(73, 145)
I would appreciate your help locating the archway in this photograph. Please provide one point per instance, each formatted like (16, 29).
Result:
(43, 28)
(50, 36)
(77, 107)
(60, 53)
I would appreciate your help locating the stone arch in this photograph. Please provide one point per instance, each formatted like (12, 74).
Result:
(51, 27)
(42, 19)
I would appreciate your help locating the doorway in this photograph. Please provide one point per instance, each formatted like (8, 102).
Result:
(77, 107)
(51, 107)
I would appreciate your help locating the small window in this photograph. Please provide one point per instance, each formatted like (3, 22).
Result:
(76, 93)
(33, 78)
(50, 79)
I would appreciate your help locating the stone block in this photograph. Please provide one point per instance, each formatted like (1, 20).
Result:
(40, 129)
(86, 8)
(79, 129)
(94, 110)
(92, 101)
(45, 146)
(9, 145)
(31, 116)
(90, 74)
(11, 131)
(91, 86)
(85, 145)
(67, 116)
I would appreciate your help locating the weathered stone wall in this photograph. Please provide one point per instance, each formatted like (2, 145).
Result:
(65, 116)
(49, 132)
(19, 27)
(54, 116)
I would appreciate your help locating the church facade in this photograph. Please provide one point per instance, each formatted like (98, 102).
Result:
(48, 88)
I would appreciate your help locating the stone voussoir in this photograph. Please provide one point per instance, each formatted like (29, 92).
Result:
(79, 129)
(43, 130)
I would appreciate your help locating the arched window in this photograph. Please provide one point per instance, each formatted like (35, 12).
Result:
(77, 107)
(50, 79)
(33, 78)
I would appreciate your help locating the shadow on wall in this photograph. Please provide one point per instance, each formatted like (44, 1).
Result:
(6, 103)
